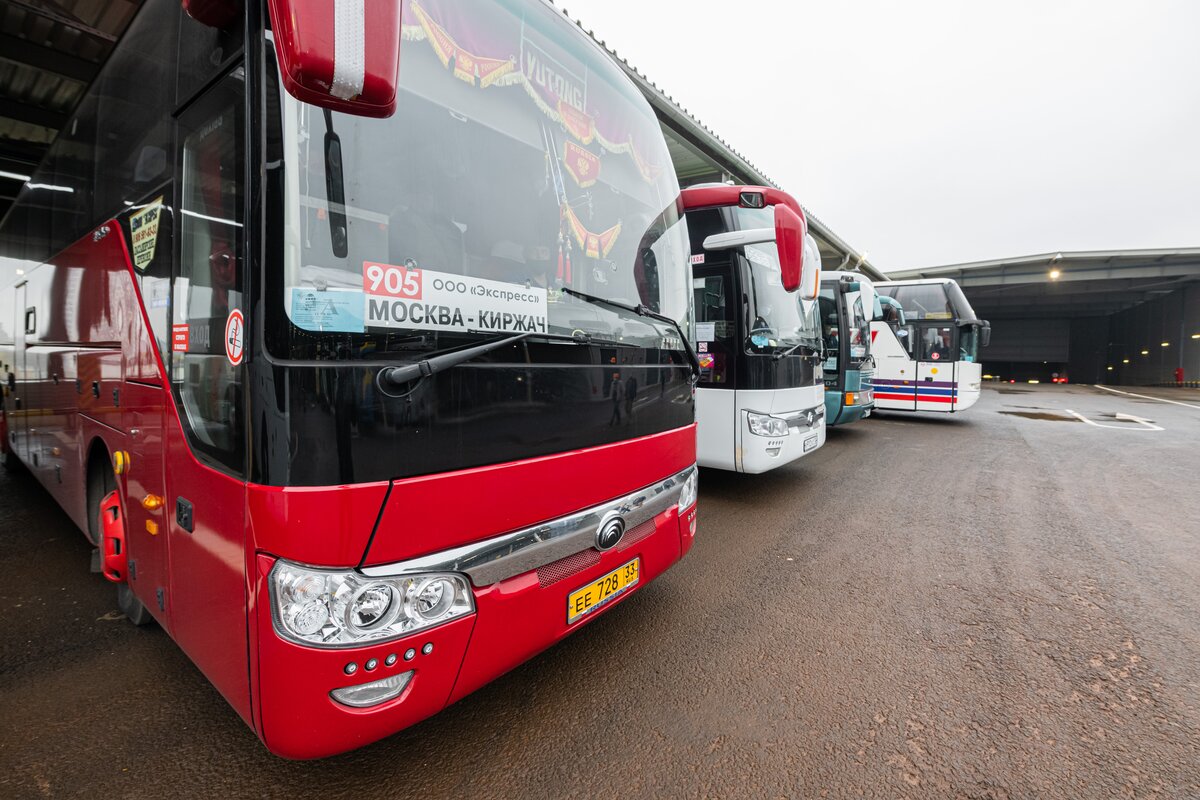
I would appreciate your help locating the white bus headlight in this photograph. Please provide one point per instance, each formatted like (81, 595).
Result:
(766, 425)
(336, 608)
(687, 494)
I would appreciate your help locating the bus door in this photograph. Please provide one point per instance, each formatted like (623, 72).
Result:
(937, 383)
(205, 456)
(714, 292)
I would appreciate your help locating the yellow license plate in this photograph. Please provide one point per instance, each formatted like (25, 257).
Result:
(600, 592)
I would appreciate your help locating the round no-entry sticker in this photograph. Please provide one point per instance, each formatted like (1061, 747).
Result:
(235, 329)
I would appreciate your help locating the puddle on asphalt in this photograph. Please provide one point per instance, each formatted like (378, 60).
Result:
(1015, 391)
(1040, 415)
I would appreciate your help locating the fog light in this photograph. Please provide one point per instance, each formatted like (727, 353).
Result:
(372, 694)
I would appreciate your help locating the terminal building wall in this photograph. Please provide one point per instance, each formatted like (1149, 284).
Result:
(1172, 318)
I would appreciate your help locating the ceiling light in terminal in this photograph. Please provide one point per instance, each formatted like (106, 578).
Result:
(1165, 344)
(1110, 369)
(1055, 274)
(1145, 352)
(1124, 360)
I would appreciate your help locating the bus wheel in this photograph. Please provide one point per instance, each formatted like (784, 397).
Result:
(10, 462)
(102, 502)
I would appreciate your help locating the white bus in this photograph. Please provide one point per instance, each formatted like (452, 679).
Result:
(926, 347)
(760, 402)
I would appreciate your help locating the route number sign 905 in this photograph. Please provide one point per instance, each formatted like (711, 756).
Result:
(384, 279)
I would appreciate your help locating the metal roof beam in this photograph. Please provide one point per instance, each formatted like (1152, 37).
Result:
(46, 59)
(1005, 278)
(55, 12)
(33, 115)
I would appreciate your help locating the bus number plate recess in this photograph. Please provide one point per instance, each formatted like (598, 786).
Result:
(602, 591)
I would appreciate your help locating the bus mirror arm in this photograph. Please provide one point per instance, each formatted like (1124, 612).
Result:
(335, 190)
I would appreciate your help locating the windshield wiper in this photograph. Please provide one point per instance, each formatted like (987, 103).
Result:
(399, 376)
(643, 311)
(407, 373)
(793, 349)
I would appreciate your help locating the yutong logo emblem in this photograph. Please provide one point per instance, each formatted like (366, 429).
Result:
(611, 530)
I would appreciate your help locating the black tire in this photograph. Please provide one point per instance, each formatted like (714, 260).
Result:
(131, 607)
(101, 481)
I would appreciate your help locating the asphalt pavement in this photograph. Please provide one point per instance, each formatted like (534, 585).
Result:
(1001, 604)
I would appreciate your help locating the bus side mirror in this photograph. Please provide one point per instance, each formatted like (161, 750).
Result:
(985, 334)
(334, 56)
(789, 239)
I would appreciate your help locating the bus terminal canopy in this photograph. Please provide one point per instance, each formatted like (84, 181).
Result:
(1069, 284)
(49, 54)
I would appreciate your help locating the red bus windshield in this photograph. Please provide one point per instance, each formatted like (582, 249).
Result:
(520, 161)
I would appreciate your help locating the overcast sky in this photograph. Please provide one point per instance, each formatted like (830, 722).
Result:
(929, 132)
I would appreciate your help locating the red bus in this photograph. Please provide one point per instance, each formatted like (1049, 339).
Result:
(367, 382)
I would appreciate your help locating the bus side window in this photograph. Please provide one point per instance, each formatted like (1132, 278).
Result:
(715, 325)
(206, 364)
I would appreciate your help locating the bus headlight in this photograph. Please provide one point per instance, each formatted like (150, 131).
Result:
(687, 494)
(336, 608)
(766, 425)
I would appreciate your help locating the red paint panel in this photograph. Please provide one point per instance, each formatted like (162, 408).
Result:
(719, 196)
(298, 717)
(428, 514)
(327, 526)
(207, 596)
(517, 618)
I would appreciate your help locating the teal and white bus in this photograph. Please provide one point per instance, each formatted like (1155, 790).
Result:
(847, 306)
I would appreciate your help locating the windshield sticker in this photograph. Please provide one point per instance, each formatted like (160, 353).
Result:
(235, 334)
(143, 229)
(939, 315)
(857, 351)
(179, 337)
(706, 331)
(697, 259)
(702, 347)
(335, 310)
(421, 299)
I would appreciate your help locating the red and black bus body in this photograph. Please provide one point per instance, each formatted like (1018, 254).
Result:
(206, 441)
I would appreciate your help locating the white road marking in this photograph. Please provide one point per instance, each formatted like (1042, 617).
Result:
(1147, 424)
(1146, 396)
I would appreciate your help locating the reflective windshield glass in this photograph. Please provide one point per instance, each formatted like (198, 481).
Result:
(777, 320)
(830, 329)
(968, 343)
(860, 327)
(920, 301)
(520, 161)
